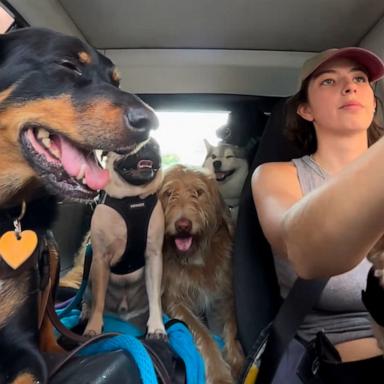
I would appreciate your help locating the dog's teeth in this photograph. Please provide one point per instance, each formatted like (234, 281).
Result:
(46, 141)
(55, 152)
(42, 134)
(84, 181)
(81, 174)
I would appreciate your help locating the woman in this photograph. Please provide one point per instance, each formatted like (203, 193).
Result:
(323, 213)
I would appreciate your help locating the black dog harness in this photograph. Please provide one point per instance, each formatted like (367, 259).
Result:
(136, 213)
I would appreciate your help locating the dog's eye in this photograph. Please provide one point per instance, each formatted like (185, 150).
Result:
(69, 65)
(199, 192)
(229, 157)
(213, 156)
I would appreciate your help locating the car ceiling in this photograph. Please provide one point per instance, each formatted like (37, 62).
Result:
(212, 46)
(297, 25)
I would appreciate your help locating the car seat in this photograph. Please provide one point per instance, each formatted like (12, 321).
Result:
(257, 296)
(72, 223)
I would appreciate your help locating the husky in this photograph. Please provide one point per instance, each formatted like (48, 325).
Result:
(229, 164)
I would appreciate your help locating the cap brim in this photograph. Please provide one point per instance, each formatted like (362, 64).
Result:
(373, 64)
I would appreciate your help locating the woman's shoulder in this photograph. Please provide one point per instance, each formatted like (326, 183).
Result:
(271, 170)
(276, 180)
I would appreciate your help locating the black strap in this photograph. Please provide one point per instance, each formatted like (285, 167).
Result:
(300, 300)
(169, 368)
(373, 297)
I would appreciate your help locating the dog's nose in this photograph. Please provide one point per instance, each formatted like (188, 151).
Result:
(217, 165)
(141, 118)
(183, 225)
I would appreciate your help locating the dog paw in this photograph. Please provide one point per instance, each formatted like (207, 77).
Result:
(157, 334)
(235, 358)
(94, 326)
(91, 333)
(155, 328)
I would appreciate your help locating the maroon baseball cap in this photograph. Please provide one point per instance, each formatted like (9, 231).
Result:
(373, 63)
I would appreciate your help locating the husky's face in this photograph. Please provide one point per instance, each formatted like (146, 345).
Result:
(229, 165)
(224, 160)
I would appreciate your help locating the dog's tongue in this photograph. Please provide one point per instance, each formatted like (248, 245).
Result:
(74, 162)
(183, 244)
(220, 176)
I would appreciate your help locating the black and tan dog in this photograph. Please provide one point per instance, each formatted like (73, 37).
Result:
(127, 231)
(59, 100)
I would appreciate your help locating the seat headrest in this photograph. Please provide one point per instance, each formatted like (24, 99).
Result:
(274, 145)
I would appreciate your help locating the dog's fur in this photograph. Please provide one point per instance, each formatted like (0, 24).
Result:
(229, 164)
(125, 294)
(197, 267)
(59, 100)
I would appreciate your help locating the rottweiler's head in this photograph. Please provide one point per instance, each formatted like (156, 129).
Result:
(59, 101)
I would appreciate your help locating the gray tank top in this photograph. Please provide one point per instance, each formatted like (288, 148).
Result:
(339, 312)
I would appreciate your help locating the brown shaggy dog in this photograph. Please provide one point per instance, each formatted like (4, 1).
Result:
(197, 267)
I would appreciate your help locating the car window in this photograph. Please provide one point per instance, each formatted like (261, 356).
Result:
(181, 135)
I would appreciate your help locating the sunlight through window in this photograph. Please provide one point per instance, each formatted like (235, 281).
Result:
(181, 135)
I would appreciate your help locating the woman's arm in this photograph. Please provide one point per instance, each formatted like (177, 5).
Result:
(330, 230)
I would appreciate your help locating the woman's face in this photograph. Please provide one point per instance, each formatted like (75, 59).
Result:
(340, 98)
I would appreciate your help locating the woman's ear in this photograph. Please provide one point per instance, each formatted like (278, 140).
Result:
(304, 111)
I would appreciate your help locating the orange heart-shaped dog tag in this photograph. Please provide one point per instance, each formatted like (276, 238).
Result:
(16, 251)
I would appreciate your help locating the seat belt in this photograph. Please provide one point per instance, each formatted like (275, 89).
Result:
(303, 295)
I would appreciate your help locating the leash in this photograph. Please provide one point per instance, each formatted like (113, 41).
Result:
(79, 295)
(49, 306)
(60, 327)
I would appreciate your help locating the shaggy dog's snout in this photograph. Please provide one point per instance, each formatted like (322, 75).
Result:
(183, 225)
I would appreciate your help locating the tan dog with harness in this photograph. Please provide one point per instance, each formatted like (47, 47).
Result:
(127, 231)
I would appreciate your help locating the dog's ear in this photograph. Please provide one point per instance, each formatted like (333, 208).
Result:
(208, 146)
